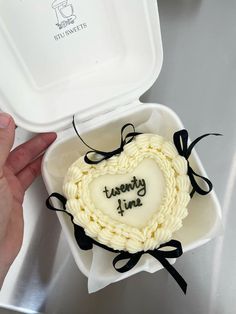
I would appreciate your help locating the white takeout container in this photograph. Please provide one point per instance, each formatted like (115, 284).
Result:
(92, 58)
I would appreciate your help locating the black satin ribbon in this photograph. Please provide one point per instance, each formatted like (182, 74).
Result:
(160, 255)
(180, 139)
(83, 241)
(125, 139)
(86, 243)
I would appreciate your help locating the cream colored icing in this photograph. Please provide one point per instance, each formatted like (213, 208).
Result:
(148, 171)
(147, 157)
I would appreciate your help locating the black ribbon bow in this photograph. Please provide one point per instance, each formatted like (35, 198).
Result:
(180, 139)
(160, 255)
(86, 243)
(125, 139)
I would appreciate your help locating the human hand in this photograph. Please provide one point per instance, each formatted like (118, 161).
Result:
(18, 169)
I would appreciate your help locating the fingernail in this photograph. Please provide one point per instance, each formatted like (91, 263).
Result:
(5, 120)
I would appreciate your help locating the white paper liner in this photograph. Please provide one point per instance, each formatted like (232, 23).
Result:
(103, 274)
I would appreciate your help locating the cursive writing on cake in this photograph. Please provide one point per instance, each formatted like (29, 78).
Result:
(123, 204)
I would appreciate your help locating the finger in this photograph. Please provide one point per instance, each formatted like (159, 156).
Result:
(24, 154)
(30, 173)
(7, 134)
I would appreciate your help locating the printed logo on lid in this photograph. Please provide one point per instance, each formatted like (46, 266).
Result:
(66, 19)
(64, 12)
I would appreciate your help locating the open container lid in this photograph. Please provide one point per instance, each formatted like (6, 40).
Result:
(65, 57)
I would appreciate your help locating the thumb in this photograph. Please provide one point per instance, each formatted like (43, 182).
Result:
(7, 135)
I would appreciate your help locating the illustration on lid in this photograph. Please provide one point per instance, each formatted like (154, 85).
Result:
(64, 13)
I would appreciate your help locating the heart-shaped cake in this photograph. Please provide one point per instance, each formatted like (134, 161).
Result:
(133, 201)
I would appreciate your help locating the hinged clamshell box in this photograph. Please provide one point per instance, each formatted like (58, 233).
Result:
(94, 59)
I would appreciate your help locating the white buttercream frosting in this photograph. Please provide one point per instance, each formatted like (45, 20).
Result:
(163, 193)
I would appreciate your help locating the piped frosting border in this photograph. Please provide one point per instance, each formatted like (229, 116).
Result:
(116, 235)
